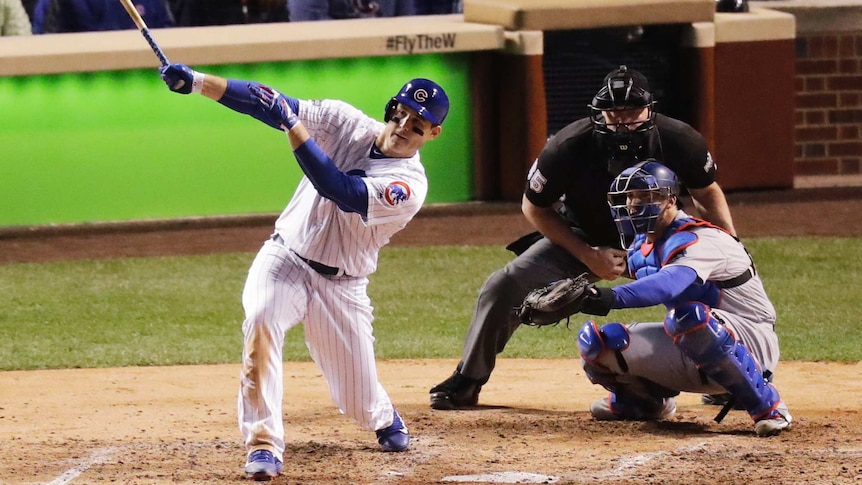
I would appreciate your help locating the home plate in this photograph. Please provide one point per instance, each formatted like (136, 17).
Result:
(503, 477)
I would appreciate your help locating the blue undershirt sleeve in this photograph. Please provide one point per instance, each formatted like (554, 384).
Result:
(349, 192)
(238, 98)
(654, 289)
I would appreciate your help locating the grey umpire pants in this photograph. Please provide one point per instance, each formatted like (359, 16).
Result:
(494, 320)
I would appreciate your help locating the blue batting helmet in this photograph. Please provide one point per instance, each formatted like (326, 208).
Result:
(637, 214)
(425, 97)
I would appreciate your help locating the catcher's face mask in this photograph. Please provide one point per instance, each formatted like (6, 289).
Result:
(639, 196)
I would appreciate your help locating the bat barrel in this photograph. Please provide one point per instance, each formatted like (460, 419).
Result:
(133, 13)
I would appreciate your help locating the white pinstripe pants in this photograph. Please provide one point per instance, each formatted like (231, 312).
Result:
(280, 292)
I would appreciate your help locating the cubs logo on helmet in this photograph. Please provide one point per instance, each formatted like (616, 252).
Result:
(425, 97)
(396, 193)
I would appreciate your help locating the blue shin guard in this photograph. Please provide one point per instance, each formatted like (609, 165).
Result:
(721, 357)
(593, 341)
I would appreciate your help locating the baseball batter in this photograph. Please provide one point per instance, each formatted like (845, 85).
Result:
(718, 334)
(363, 182)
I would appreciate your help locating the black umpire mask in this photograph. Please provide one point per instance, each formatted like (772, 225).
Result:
(623, 143)
(624, 149)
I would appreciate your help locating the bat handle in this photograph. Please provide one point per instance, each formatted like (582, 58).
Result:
(161, 55)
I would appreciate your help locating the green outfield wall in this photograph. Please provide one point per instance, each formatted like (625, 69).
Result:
(117, 145)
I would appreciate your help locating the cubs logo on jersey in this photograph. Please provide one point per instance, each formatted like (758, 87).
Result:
(396, 193)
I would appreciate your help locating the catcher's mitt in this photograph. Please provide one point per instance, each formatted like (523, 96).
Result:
(560, 299)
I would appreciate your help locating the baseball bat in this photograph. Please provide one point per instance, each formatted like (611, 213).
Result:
(136, 18)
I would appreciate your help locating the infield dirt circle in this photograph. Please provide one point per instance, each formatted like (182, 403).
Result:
(167, 425)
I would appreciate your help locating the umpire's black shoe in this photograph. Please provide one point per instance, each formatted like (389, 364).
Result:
(456, 392)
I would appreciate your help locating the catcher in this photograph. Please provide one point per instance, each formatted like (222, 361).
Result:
(717, 336)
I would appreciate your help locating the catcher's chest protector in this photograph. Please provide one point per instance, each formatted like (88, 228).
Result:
(645, 259)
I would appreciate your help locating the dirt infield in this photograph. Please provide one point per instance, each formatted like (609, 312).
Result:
(168, 425)
(161, 425)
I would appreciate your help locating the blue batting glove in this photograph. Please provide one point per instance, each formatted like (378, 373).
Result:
(179, 78)
(276, 109)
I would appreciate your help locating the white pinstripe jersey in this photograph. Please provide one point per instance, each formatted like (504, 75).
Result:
(315, 228)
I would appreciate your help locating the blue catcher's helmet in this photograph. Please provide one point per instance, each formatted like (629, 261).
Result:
(425, 97)
(636, 197)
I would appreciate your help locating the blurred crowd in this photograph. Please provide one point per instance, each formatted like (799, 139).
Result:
(26, 17)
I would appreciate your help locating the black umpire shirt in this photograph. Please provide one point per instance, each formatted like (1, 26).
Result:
(573, 165)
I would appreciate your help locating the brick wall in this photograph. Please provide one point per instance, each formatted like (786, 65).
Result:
(828, 104)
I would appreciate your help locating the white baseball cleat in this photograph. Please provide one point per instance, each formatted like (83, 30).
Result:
(611, 409)
(773, 423)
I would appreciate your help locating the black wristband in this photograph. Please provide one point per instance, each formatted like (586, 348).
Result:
(599, 303)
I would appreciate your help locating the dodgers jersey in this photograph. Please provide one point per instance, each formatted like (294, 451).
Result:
(716, 256)
(315, 228)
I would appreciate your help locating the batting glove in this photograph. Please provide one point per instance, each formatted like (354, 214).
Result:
(182, 79)
(276, 109)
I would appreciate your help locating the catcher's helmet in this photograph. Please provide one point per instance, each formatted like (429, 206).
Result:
(424, 96)
(636, 197)
(622, 89)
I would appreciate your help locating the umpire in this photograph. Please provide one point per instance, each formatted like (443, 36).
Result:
(566, 201)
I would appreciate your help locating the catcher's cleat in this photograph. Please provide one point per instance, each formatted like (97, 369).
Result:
(776, 421)
(394, 437)
(262, 466)
(612, 409)
(456, 392)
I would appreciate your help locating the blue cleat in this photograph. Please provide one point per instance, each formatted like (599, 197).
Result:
(394, 437)
(262, 466)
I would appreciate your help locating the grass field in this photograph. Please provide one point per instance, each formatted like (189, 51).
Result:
(186, 310)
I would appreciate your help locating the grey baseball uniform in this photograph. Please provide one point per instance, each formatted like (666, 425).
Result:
(745, 309)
